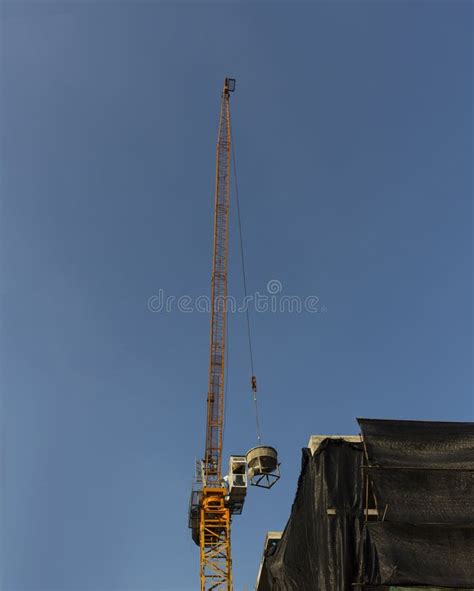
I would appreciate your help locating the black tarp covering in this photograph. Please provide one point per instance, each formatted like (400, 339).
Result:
(427, 444)
(319, 551)
(404, 554)
(422, 475)
(423, 479)
(425, 496)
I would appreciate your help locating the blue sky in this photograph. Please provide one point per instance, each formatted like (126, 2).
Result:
(353, 131)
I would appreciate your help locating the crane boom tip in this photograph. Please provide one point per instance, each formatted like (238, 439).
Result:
(229, 85)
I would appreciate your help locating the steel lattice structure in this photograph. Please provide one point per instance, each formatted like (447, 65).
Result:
(215, 517)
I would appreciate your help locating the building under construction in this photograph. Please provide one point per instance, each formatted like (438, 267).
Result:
(389, 509)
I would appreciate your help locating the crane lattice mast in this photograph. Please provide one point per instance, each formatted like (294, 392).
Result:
(214, 499)
(215, 400)
(215, 516)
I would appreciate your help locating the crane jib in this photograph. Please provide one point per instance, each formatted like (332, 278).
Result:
(214, 499)
(210, 514)
(215, 400)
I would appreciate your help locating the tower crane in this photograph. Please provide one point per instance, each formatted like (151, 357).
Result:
(214, 498)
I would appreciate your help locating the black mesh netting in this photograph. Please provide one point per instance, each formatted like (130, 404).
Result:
(317, 550)
(405, 554)
(422, 478)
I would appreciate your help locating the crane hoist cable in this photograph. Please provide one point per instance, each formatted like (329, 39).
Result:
(253, 380)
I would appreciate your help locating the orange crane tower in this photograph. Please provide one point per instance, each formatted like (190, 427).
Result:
(214, 538)
(214, 498)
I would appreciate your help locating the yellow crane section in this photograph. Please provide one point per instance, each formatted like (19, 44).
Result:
(215, 399)
(214, 498)
(214, 538)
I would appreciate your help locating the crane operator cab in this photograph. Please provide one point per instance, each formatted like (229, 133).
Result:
(237, 483)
